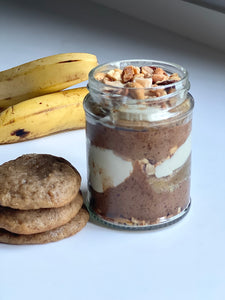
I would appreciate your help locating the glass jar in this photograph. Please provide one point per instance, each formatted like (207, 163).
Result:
(138, 148)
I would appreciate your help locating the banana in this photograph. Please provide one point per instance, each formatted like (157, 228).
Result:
(43, 115)
(43, 76)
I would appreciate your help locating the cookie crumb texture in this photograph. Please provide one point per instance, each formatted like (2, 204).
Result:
(59, 233)
(36, 181)
(38, 220)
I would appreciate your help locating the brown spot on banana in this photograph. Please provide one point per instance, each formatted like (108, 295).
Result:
(8, 98)
(68, 61)
(33, 114)
(20, 133)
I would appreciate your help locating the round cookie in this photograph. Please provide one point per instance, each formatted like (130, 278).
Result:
(34, 181)
(38, 220)
(64, 231)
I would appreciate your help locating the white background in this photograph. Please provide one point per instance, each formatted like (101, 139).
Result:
(183, 261)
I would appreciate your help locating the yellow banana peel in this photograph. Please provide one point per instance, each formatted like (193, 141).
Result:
(43, 76)
(43, 115)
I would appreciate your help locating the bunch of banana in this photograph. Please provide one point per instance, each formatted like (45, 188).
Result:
(32, 103)
(44, 115)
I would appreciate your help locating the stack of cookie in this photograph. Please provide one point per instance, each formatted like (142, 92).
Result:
(40, 200)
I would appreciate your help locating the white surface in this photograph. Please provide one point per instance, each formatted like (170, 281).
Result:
(184, 261)
(196, 22)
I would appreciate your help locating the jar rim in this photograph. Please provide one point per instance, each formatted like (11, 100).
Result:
(182, 72)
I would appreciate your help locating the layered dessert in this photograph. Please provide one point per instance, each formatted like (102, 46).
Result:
(139, 151)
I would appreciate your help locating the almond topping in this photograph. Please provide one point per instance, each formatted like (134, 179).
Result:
(128, 74)
(138, 91)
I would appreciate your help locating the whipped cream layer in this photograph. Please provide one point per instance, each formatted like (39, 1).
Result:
(140, 113)
(180, 156)
(154, 113)
(108, 170)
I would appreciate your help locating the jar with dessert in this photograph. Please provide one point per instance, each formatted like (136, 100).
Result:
(138, 132)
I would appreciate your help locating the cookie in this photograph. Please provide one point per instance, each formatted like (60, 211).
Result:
(38, 220)
(64, 231)
(34, 181)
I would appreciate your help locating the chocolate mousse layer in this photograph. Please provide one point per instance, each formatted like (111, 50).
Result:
(153, 143)
(143, 200)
